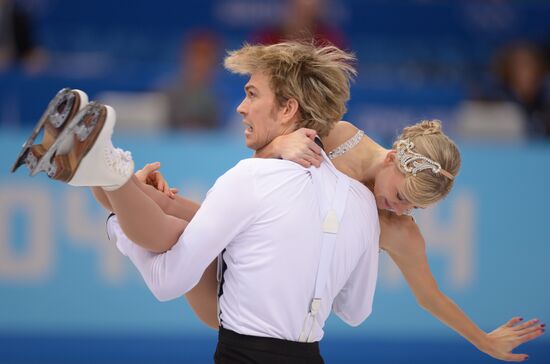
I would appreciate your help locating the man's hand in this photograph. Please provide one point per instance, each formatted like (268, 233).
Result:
(300, 147)
(150, 175)
(507, 337)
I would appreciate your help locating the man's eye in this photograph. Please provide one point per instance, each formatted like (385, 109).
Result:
(399, 197)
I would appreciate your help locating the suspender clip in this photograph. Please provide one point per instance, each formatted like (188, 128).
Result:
(331, 224)
(314, 307)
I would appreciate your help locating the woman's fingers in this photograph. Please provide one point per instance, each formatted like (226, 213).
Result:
(515, 357)
(165, 188)
(151, 176)
(526, 324)
(314, 147)
(310, 133)
(531, 334)
(513, 321)
(303, 162)
(151, 167)
(143, 174)
(313, 161)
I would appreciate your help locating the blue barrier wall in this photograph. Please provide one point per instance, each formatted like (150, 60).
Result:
(61, 280)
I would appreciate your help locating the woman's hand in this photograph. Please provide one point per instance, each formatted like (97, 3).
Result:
(298, 147)
(150, 175)
(507, 337)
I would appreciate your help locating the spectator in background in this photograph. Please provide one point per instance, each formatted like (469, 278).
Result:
(191, 102)
(16, 42)
(521, 69)
(302, 20)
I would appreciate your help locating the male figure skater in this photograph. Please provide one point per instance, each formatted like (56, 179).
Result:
(298, 243)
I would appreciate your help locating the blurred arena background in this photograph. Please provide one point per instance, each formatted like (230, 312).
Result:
(68, 296)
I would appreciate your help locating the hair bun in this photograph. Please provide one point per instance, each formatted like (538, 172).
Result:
(428, 127)
(425, 127)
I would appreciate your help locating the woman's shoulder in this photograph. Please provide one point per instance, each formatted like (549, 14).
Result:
(400, 234)
(342, 132)
(346, 127)
(405, 222)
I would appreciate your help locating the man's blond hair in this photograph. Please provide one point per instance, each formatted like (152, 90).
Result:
(317, 77)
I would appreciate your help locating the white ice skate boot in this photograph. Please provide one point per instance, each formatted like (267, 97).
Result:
(63, 107)
(83, 154)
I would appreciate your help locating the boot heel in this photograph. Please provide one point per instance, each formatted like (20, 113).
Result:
(33, 155)
(63, 168)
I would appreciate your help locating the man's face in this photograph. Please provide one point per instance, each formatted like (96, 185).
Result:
(261, 114)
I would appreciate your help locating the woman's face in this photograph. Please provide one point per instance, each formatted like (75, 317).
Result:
(387, 188)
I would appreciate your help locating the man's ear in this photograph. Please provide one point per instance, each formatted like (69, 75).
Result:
(290, 110)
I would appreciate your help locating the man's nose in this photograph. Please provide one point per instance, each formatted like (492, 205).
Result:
(241, 108)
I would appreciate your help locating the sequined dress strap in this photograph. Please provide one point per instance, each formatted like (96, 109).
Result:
(347, 145)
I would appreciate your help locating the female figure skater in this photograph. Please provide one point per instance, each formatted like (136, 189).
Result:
(396, 191)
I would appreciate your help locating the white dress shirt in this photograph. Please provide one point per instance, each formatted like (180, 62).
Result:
(265, 213)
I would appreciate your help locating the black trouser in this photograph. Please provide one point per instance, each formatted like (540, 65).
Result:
(235, 348)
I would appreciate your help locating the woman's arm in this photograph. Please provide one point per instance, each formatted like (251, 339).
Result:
(411, 260)
(300, 146)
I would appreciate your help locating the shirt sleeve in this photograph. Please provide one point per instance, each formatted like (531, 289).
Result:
(353, 304)
(229, 208)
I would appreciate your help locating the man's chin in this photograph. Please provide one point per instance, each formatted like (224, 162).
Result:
(250, 144)
(255, 146)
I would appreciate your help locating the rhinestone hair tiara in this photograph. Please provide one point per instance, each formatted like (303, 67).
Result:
(413, 162)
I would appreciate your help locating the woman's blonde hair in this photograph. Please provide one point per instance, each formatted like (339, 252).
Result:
(427, 187)
(317, 77)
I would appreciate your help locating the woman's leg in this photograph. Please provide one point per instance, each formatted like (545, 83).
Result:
(203, 298)
(142, 219)
(179, 206)
(101, 198)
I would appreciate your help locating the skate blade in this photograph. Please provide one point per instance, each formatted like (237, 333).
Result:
(20, 159)
(82, 131)
(56, 118)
